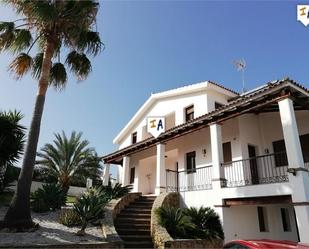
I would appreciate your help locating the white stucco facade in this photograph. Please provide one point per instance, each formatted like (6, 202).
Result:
(235, 160)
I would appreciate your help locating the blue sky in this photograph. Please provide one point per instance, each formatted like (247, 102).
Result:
(158, 45)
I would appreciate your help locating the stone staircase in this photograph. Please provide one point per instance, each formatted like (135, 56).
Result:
(133, 223)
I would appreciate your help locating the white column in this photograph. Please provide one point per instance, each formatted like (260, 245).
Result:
(216, 152)
(290, 132)
(126, 171)
(119, 174)
(135, 184)
(217, 170)
(160, 171)
(106, 174)
(300, 179)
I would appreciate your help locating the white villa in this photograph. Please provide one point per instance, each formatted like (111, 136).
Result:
(246, 155)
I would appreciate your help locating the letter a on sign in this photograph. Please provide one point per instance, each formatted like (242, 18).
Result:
(155, 125)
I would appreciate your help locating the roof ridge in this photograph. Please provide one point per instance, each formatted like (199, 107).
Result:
(196, 84)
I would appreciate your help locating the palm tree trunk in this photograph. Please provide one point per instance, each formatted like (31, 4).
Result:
(18, 214)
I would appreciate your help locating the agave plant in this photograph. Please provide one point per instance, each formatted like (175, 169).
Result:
(176, 223)
(90, 207)
(207, 223)
(49, 197)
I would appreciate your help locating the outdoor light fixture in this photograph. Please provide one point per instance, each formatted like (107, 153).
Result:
(204, 152)
(292, 171)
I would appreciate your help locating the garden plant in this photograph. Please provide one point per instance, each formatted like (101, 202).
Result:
(191, 223)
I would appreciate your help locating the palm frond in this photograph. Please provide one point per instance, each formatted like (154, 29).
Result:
(21, 65)
(7, 35)
(58, 76)
(90, 42)
(37, 65)
(42, 11)
(22, 40)
(79, 64)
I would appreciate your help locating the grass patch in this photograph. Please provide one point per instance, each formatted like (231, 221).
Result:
(71, 199)
(5, 198)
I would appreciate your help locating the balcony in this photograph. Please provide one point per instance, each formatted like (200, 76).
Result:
(270, 168)
(189, 180)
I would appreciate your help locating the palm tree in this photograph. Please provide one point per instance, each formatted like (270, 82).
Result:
(12, 139)
(50, 26)
(68, 159)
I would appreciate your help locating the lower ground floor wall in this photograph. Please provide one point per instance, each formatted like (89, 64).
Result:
(249, 221)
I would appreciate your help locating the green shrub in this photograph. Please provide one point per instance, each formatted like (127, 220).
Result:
(202, 223)
(207, 223)
(115, 192)
(175, 222)
(69, 217)
(90, 207)
(49, 197)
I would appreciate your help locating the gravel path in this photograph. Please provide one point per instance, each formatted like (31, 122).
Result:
(50, 232)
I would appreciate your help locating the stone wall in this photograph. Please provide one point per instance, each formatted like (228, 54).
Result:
(161, 237)
(158, 233)
(112, 209)
(66, 246)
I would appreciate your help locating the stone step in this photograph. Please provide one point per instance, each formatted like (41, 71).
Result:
(142, 203)
(127, 231)
(138, 244)
(133, 226)
(132, 221)
(146, 238)
(148, 197)
(136, 210)
(134, 215)
(138, 206)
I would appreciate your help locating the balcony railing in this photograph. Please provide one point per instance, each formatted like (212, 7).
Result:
(189, 180)
(271, 168)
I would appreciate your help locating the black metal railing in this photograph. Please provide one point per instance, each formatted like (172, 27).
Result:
(271, 168)
(189, 180)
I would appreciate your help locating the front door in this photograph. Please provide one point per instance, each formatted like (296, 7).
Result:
(253, 165)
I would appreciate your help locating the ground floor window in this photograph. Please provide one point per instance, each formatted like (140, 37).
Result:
(286, 223)
(132, 175)
(262, 217)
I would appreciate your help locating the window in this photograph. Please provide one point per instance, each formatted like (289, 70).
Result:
(218, 105)
(189, 113)
(132, 175)
(280, 153)
(227, 152)
(304, 142)
(286, 223)
(134, 138)
(280, 150)
(190, 159)
(262, 216)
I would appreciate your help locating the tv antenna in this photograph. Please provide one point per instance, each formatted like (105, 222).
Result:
(240, 66)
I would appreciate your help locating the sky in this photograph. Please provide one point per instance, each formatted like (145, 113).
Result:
(153, 46)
